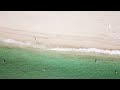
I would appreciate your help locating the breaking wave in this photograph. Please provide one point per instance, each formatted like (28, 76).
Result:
(27, 43)
(111, 52)
(16, 42)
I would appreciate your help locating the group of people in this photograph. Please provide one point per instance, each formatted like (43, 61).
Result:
(115, 70)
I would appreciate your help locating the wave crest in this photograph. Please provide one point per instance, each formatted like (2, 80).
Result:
(115, 52)
(27, 43)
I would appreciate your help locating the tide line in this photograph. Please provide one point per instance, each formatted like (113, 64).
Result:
(27, 43)
(111, 52)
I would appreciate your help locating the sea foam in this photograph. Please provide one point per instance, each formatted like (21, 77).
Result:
(111, 52)
(27, 43)
(12, 41)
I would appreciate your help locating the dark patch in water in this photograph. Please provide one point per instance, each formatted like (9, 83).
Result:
(116, 71)
(95, 60)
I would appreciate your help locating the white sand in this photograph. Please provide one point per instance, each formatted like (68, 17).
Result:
(62, 29)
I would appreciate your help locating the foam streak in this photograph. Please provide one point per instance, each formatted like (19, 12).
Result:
(27, 43)
(115, 52)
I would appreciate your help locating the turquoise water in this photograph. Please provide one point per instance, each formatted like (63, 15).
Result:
(25, 63)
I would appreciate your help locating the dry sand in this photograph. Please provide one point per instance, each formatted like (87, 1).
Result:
(63, 29)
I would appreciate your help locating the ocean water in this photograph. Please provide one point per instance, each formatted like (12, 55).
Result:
(31, 63)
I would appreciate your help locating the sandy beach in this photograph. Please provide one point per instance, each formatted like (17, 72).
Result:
(62, 41)
(59, 45)
(63, 29)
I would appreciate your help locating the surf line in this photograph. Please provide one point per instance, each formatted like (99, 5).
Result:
(112, 52)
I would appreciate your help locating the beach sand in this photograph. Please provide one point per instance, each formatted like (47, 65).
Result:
(49, 40)
(69, 29)
(63, 29)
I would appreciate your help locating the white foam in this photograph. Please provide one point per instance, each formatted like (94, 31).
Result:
(16, 42)
(27, 43)
(112, 52)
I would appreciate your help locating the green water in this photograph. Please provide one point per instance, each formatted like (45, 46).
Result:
(22, 63)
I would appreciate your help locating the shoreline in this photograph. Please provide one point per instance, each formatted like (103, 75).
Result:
(86, 50)
(83, 43)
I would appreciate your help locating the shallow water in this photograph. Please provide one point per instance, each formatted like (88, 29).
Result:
(31, 63)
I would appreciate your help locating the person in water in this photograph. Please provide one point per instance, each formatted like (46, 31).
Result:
(4, 61)
(95, 60)
(115, 71)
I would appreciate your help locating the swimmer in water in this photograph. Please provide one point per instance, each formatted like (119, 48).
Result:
(4, 61)
(95, 60)
(115, 71)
